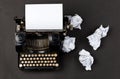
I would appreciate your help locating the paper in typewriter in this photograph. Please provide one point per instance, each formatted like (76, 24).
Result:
(43, 17)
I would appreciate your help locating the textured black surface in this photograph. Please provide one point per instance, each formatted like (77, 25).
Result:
(94, 13)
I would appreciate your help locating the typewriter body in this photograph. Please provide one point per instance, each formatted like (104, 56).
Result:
(38, 49)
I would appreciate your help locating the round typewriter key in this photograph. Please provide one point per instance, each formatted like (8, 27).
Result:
(32, 55)
(24, 65)
(42, 55)
(46, 55)
(20, 58)
(35, 55)
(27, 58)
(33, 64)
(48, 61)
(50, 58)
(37, 64)
(47, 58)
(41, 61)
(38, 61)
(53, 58)
(52, 55)
(40, 58)
(40, 64)
(43, 64)
(31, 61)
(24, 58)
(22, 61)
(44, 58)
(25, 55)
(57, 65)
(25, 61)
(28, 62)
(54, 61)
(22, 55)
(27, 65)
(39, 55)
(51, 61)
(30, 58)
(37, 58)
(20, 65)
(55, 55)
(35, 61)
(45, 61)
(50, 64)
(53, 64)
(28, 55)
(47, 64)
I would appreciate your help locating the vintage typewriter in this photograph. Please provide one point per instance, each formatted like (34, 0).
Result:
(39, 46)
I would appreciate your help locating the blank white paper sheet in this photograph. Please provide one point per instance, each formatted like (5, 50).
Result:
(44, 17)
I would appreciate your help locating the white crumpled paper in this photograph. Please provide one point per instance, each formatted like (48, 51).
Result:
(86, 59)
(68, 44)
(95, 38)
(75, 21)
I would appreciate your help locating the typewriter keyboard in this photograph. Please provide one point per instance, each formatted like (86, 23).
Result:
(38, 61)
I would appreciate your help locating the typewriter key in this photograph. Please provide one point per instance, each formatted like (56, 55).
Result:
(35, 61)
(29, 55)
(24, 58)
(33, 64)
(31, 61)
(20, 65)
(37, 58)
(43, 64)
(37, 64)
(57, 65)
(47, 58)
(40, 64)
(45, 61)
(54, 61)
(41, 61)
(25, 55)
(38, 61)
(30, 64)
(24, 65)
(53, 58)
(22, 61)
(27, 58)
(22, 55)
(20, 58)
(30, 58)
(55, 55)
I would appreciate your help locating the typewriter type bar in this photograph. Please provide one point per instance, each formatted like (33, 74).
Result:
(38, 61)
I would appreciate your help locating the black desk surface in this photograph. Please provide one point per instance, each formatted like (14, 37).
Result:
(94, 13)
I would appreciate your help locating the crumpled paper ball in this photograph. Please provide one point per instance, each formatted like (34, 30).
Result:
(68, 44)
(76, 21)
(86, 59)
(95, 38)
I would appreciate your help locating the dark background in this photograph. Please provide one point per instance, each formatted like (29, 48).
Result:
(94, 13)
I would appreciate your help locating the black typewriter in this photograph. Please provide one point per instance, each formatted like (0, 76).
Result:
(38, 50)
